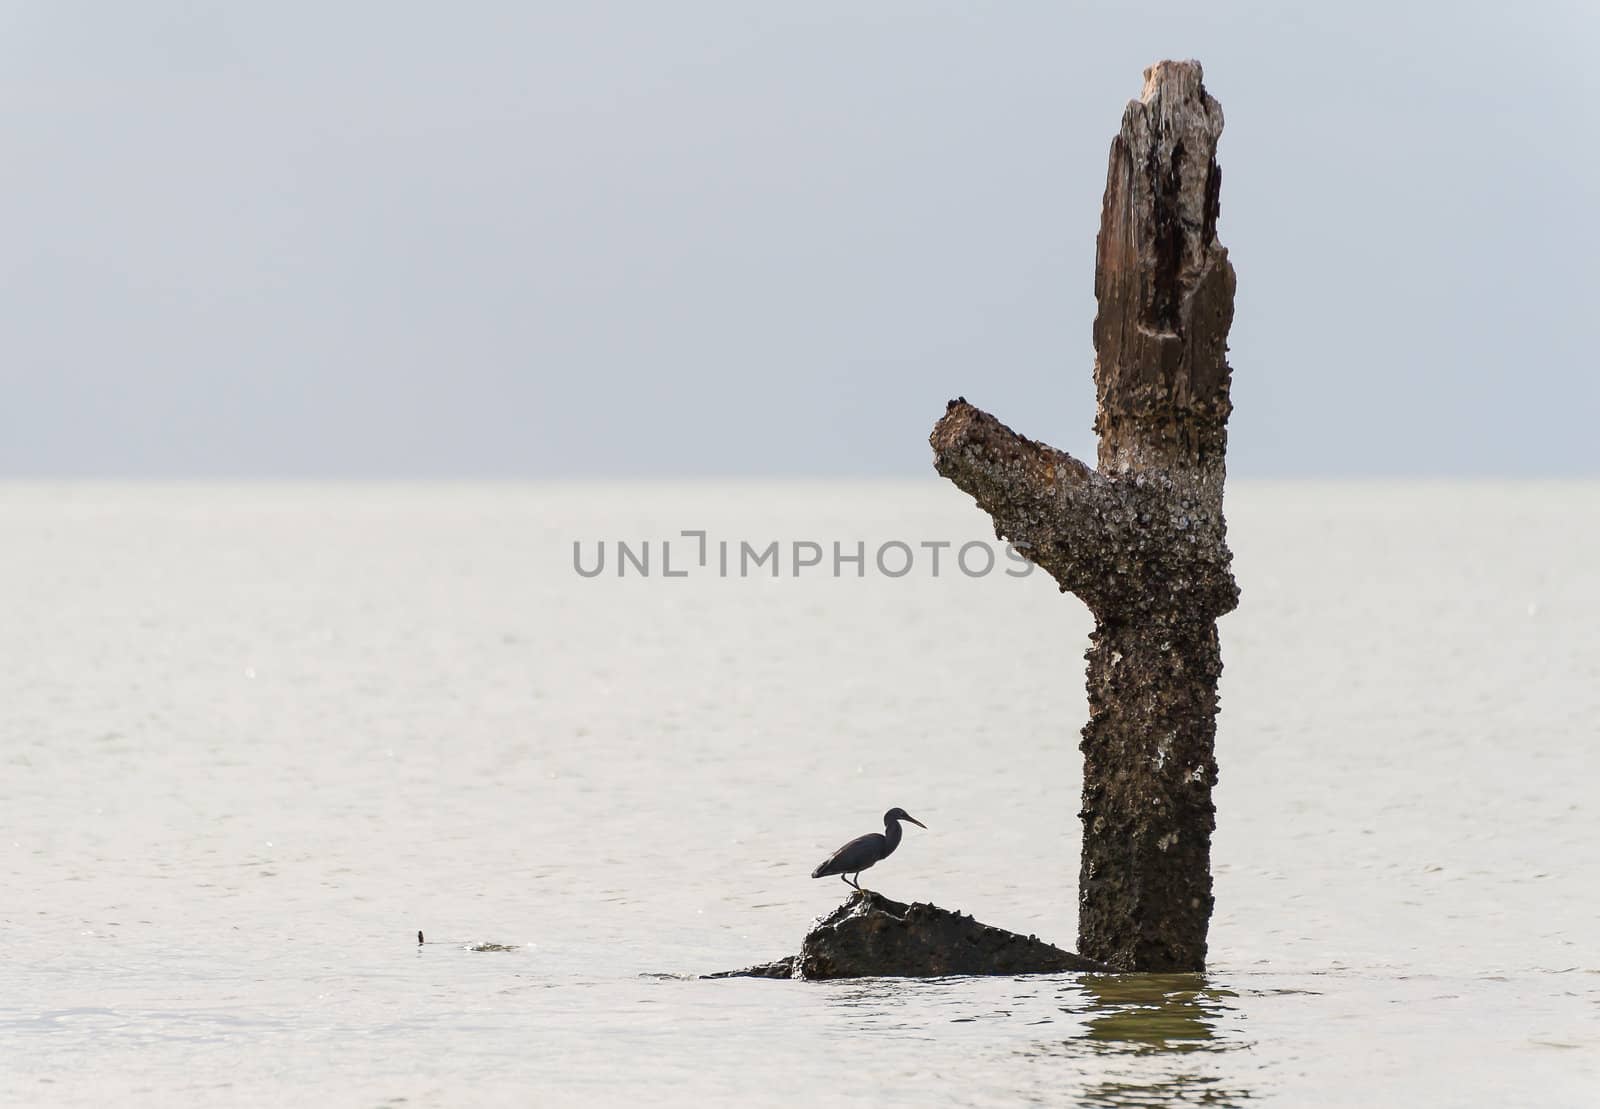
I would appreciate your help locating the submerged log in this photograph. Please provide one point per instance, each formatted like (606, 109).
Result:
(1140, 538)
(870, 936)
(778, 968)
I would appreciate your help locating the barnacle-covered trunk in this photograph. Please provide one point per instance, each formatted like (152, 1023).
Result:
(1140, 538)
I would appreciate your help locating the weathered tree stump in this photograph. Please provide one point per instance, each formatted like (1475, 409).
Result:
(870, 936)
(1141, 538)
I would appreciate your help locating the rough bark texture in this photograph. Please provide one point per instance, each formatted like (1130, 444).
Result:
(870, 936)
(1140, 539)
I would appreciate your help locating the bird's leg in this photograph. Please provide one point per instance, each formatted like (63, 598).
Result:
(845, 878)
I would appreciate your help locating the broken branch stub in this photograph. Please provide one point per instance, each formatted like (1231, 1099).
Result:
(1164, 284)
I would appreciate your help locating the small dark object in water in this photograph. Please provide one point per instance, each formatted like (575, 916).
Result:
(863, 851)
(419, 937)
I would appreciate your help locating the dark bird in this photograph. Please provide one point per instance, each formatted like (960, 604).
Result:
(863, 851)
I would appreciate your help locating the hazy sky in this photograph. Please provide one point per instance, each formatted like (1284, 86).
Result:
(524, 239)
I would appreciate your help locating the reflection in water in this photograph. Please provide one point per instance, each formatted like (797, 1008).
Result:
(856, 993)
(1140, 1040)
(1178, 1089)
(1152, 1013)
(1153, 1031)
(873, 1003)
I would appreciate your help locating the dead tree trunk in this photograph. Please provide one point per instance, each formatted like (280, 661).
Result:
(1141, 538)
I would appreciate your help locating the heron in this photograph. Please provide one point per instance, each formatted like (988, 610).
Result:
(863, 851)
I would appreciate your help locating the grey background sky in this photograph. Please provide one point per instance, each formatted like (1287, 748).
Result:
(524, 239)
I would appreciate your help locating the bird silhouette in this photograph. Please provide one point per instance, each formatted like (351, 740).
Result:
(868, 850)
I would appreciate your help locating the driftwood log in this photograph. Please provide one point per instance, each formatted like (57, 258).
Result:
(872, 936)
(1140, 538)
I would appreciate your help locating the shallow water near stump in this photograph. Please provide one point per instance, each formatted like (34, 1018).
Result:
(256, 736)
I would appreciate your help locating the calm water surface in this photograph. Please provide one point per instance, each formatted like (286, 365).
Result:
(254, 737)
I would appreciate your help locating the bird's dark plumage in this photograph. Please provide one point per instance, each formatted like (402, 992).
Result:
(863, 851)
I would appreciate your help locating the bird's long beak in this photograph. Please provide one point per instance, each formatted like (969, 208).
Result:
(918, 823)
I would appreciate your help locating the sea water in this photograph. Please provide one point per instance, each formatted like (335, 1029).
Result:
(254, 737)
